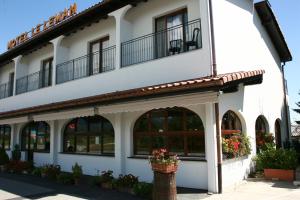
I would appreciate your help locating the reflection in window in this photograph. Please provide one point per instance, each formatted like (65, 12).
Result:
(36, 136)
(5, 136)
(89, 135)
(177, 129)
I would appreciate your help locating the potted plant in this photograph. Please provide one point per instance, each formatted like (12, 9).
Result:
(50, 171)
(77, 173)
(277, 163)
(4, 159)
(161, 161)
(126, 183)
(106, 179)
(235, 145)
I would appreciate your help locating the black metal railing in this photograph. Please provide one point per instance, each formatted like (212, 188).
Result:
(6, 90)
(174, 40)
(88, 65)
(33, 81)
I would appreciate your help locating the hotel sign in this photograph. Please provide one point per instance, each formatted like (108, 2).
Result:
(54, 20)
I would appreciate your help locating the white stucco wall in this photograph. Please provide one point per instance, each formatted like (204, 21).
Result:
(5, 71)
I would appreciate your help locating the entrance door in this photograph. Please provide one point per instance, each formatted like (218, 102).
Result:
(98, 58)
(170, 31)
(29, 141)
(278, 133)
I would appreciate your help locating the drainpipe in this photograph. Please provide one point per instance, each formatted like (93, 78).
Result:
(215, 73)
(285, 103)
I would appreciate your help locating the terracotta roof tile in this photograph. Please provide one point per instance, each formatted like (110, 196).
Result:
(204, 83)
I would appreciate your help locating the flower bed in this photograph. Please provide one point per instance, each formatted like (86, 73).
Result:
(235, 145)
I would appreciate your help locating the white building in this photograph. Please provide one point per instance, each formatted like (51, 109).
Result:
(107, 85)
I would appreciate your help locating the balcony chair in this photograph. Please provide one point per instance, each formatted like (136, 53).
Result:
(175, 46)
(194, 41)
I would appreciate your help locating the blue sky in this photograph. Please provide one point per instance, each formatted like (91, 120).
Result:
(17, 16)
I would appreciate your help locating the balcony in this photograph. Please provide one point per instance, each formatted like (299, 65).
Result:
(6, 90)
(33, 81)
(174, 40)
(88, 65)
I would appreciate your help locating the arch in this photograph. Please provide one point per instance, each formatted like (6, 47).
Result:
(89, 135)
(35, 136)
(278, 133)
(5, 135)
(231, 123)
(177, 129)
(261, 129)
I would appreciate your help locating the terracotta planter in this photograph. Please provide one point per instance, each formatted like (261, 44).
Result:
(280, 174)
(164, 168)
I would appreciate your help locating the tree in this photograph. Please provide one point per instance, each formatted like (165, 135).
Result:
(297, 110)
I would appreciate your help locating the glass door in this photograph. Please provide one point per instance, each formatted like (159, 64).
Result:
(170, 33)
(45, 75)
(98, 58)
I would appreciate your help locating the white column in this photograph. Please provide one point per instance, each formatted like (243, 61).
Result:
(119, 143)
(58, 55)
(13, 138)
(53, 141)
(17, 62)
(211, 148)
(123, 29)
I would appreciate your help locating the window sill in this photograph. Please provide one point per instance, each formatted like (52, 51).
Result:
(180, 158)
(86, 154)
(232, 160)
(36, 151)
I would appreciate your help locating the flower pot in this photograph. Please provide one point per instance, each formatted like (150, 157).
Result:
(164, 168)
(107, 185)
(280, 174)
(2, 168)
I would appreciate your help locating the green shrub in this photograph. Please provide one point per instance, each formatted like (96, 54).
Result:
(65, 178)
(95, 180)
(273, 158)
(127, 181)
(37, 171)
(16, 153)
(4, 159)
(106, 176)
(76, 171)
(143, 190)
(50, 171)
(18, 166)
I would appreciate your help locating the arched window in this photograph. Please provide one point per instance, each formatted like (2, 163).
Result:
(36, 137)
(231, 123)
(5, 137)
(278, 133)
(261, 125)
(89, 135)
(178, 130)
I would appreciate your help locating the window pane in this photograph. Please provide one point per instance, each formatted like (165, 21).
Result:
(24, 139)
(32, 137)
(196, 145)
(81, 144)
(176, 144)
(82, 125)
(157, 121)
(95, 145)
(95, 126)
(7, 138)
(41, 143)
(175, 119)
(159, 142)
(193, 122)
(69, 144)
(108, 143)
(142, 124)
(107, 127)
(143, 145)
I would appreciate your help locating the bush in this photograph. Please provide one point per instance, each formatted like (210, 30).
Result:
(127, 181)
(17, 166)
(37, 171)
(16, 153)
(106, 177)
(4, 159)
(143, 190)
(65, 178)
(96, 180)
(76, 171)
(273, 158)
(50, 171)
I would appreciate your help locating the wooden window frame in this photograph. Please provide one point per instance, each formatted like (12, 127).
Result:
(2, 136)
(87, 134)
(90, 49)
(167, 134)
(42, 78)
